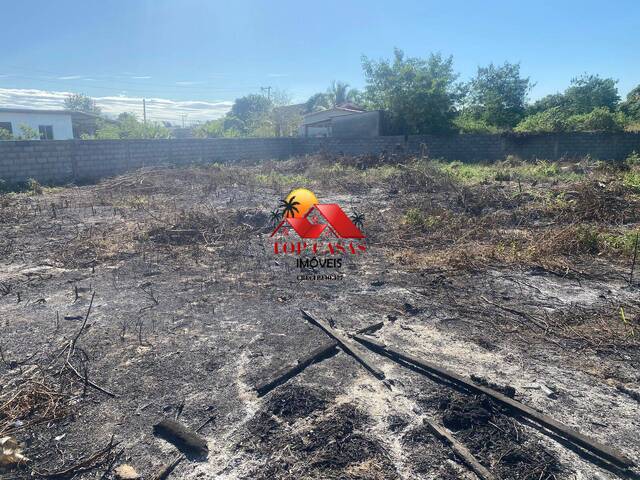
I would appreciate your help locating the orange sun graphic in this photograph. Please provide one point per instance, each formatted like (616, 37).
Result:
(298, 202)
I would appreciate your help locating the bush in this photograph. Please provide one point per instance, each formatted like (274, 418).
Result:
(551, 120)
(5, 134)
(633, 160)
(468, 124)
(556, 119)
(34, 187)
(598, 120)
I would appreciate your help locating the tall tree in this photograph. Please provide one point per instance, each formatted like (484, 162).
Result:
(81, 103)
(337, 94)
(589, 92)
(249, 115)
(631, 106)
(498, 94)
(418, 94)
(554, 100)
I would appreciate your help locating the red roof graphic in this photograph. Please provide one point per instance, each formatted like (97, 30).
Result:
(337, 220)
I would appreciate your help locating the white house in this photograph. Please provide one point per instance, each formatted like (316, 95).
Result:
(48, 124)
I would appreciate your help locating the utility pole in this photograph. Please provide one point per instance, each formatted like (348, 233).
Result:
(268, 90)
(144, 110)
(183, 115)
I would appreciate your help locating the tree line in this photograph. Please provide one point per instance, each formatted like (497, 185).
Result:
(424, 95)
(417, 96)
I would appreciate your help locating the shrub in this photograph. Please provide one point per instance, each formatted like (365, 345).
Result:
(33, 186)
(633, 160)
(28, 133)
(551, 120)
(468, 124)
(599, 119)
(5, 134)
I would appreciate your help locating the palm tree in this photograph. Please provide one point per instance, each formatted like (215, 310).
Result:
(337, 94)
(275, 216)
(289, 207)
(358, 219)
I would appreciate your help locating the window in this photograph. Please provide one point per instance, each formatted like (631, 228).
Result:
(6, 126)
(46, 132)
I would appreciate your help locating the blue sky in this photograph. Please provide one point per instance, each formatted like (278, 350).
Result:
(196, 56)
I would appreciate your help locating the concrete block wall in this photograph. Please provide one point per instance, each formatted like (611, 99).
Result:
(74, 160)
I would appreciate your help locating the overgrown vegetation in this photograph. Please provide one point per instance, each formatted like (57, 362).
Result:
(129, 127)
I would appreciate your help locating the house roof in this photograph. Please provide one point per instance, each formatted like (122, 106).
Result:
(73, 113)
(340, 110)
(34, 110)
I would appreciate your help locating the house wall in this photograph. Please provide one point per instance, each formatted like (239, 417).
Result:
(61, 123)
(69, 160)
(359, 125)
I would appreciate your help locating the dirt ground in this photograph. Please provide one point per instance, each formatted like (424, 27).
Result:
(157, 294)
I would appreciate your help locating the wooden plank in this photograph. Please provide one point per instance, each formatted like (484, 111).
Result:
(461, 451)
(347, 345)
(285, 373)
(569, 433)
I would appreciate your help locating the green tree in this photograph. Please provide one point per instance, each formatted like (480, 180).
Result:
(498, 94)
(250, 115)
(337, 94)
(129, 127)
(588, 92)
(317, 102)
(631, 106)
(215, 129)
(81, 103)
(417, 94)
(555, 100)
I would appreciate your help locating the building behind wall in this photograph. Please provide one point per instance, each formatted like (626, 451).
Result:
(342, 122)
(49, 124)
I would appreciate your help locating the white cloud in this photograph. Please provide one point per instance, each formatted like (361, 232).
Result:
(141, 77)
(157, 108)
(70, 77)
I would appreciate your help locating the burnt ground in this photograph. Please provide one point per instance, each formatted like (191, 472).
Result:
(513, 274)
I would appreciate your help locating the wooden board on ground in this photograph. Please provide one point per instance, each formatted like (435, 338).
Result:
(347, 345)
(461, 451)
(602, 451)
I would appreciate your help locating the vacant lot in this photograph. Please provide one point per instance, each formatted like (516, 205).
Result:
(156, 294)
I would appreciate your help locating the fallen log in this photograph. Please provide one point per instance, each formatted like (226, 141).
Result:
(166, 470)
(346, 345)
(286, 373)
(182, 437)
(460, 450)
(568, 433)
